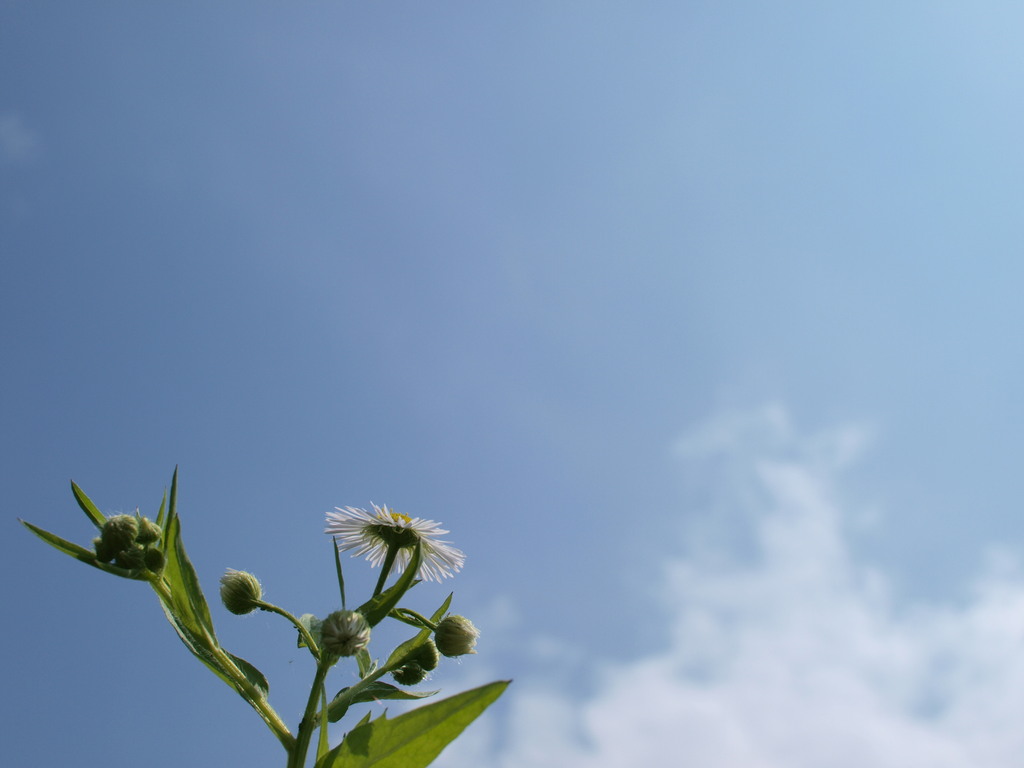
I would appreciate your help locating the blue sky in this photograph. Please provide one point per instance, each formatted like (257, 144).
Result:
(672, 313)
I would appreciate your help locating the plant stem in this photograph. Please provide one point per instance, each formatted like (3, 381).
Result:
(308, 638)
(297, 753)
(230, 670)
(389, 560)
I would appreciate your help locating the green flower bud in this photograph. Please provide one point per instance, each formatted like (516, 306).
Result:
(154, 560)
(456, 636)
(239, 591)
(149, 531)
(409, 674)
(426, 656)
(103, 553)
(133, 557)
(343, 633)
(119, 532)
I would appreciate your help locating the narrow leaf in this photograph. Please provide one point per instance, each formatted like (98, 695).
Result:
(312, 625)
(252, 674)
(86, 556)
(67, 547)
(337, 565)
(414, 739)
(322, 745)
(179, 573)
(376, 691)
(440, 612)
(97, 517)
(192, 639)
(162, 511)
(366, 665)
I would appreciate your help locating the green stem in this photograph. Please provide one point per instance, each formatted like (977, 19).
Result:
(297, 754)
(389, 560)
(351, 693)
(308, 638)
(417, 620)
(236, 677)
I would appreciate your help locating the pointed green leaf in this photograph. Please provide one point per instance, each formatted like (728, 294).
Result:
(162, 511)
(414, 739)
(337, 567)
(440, 612)
(410, 645)
(97, 517)
(192, 638)
(376, 691)
(67, 547)
(252, 674)
(312, 625)
(178, 571)
(87, 556)
(322, 745)
(375, 609)
(367, 666)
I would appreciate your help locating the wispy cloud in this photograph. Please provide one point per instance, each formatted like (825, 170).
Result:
(18, 144)
(792, 653)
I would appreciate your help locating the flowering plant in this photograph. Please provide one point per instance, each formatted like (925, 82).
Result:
(134, 547)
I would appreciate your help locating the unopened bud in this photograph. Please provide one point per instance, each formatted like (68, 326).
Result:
(426, 655)
(409, 674)
(132, 557)
(154, 559)
(344, 633)
(456, 636)
(119, 532)
(149, 531)
(103, 553)
(240, 591)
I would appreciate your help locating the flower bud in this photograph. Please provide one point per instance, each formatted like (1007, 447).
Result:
(119, 532)
(103, 553)
(239, 591)
(131, 558)
(425, 655)
(409, 674)
(154, 559)
(344, 633)
(149, 531)
(456, 635)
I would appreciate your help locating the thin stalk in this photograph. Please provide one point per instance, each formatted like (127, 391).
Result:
(238, 679)
(297, 754)
(389, 561)
(308, 638)
(417, 620)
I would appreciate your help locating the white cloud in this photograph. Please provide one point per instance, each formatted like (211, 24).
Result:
(17, 142)
(792, 655)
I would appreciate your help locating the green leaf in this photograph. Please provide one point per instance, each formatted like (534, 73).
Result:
(419, 638)
(161, 513)
(179, 573)
(65, 546)
(375, 609)
(414, 739)
(312, 625)
(337, 567)
(191, 636)
(322, 745)
(252, 674)
(440, 612)
(367, 666)
(87, 556)
(97, 517)
(375, 691)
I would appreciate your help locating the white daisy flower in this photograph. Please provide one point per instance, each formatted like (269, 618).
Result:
(373, 533)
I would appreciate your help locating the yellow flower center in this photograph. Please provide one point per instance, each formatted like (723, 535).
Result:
(398, 517)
